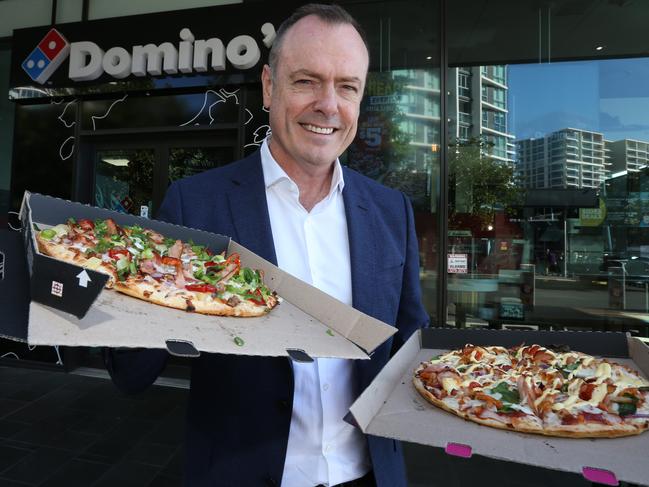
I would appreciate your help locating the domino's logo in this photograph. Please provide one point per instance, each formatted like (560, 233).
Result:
(47, 56)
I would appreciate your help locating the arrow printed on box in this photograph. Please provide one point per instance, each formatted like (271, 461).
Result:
(84, 278)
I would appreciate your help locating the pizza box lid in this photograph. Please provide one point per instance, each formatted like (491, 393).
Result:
(391, 407)
(70, 307)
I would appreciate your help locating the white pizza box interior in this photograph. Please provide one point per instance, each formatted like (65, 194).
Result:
(70, 307)
(391, 407)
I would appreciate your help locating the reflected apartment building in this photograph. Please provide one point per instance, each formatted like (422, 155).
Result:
(478, 108)
(574, 158)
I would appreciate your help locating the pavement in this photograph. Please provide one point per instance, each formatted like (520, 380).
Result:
(61, 429)
(67, 430)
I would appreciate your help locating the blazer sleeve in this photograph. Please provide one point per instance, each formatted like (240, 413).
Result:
(133, 370)
(411, 315)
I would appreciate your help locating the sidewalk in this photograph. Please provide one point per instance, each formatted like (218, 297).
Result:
(65, 430)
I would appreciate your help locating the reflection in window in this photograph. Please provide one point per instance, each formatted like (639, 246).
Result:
(549, 179)
(187, 161)
(124, 180)
(398, 132)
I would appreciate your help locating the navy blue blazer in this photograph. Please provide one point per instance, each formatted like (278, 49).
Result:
(240, 408)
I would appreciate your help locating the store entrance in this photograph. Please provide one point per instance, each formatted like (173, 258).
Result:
(130, 173)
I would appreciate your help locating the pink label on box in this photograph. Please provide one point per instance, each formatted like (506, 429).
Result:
(600, 476)
(458, 450)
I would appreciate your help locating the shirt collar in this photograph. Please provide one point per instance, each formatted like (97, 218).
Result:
(273, 172)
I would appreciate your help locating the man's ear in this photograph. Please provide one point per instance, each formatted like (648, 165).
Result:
(267, 85)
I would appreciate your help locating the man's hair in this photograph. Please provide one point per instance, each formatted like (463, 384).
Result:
(329, 14)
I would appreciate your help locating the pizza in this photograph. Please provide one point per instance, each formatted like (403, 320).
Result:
(144, 264)
(532, 389)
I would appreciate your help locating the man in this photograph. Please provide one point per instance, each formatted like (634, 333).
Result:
(266, 421)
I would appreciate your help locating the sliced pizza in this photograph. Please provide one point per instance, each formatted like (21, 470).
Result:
(144, 264)
(533, 389)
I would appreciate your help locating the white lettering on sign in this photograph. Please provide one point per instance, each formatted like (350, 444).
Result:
(88, 61)
(85, 61)
(457, 263)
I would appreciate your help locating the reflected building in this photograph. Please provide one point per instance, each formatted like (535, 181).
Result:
(628, 155)
(567, 158)
(478, 108)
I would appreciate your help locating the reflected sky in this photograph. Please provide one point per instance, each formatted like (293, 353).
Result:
(610, 96)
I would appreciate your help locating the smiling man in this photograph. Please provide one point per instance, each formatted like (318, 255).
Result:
(265, 420)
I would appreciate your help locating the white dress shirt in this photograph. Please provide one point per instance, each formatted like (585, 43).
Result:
(314, 246)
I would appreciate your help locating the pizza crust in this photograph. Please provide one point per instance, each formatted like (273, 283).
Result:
(531, 423)
(62, 253)
(187, 300)
(507, 423)
(170, 297)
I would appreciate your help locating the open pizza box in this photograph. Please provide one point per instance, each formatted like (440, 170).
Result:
(70, 307)
(391, 407)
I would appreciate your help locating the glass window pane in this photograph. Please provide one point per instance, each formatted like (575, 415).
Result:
(187, 161)
(6, 135)
(399, 128)
(124, 180)
(18, 14)
(43, 150)
(101, 9)
(69, 11)
(548, 220)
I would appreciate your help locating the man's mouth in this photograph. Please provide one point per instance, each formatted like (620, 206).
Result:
(318, 130)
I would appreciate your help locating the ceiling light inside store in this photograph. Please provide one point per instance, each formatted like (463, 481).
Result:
(429, 57)
(116, 162)
(599, 48)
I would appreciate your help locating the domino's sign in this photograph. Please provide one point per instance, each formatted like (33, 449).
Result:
(88, 61)
(47, 56)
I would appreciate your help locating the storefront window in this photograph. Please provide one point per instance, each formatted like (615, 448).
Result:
(6, 135)
(548, 220)
(43, 150)
(399, 128)
(124, 180)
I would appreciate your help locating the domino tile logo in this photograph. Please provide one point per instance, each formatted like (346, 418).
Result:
(57, 289)
(47, 56)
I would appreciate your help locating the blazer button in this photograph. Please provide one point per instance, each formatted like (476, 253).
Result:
(270, 481)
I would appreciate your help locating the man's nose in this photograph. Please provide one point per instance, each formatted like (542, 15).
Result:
(327, 100)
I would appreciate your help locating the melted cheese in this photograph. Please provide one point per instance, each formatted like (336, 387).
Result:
(93, 263)
(603, 372)
(573, 401)
(599, 393)
(449, 384)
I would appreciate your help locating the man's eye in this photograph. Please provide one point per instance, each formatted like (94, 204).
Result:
(350, 88)
(303, 82)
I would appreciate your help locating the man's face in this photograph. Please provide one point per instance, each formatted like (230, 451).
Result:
(315, 94)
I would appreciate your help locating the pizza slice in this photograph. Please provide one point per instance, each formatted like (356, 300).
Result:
(533, 389)
(144, 264)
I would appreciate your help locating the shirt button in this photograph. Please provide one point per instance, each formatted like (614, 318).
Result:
(327, 448)
(325, 387)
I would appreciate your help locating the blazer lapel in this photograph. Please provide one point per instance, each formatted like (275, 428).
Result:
(247, 198)
(362, 243)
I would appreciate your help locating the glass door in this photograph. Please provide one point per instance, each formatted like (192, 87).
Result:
(130, 173)
(186, 161)
(124, 180)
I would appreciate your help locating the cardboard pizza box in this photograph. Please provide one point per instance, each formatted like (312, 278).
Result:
(70, 307)
(391, 407)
